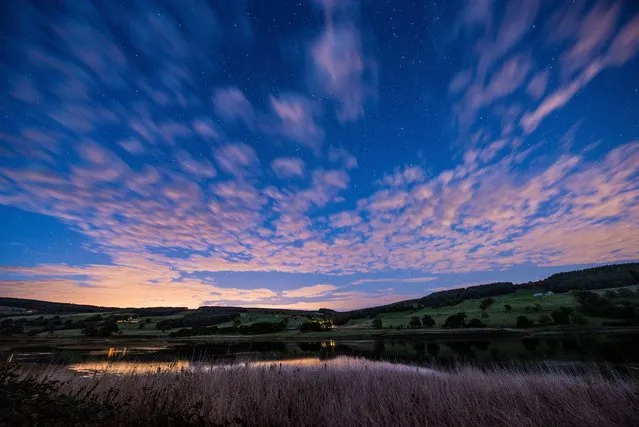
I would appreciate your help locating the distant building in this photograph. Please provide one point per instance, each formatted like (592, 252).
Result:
(129, 320)
(541, 294)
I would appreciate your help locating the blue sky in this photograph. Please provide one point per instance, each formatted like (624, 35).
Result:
(319, 153)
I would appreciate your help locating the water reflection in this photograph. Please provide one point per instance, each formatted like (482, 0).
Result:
(330, 344)
(129, 367)
(113, 352)
(336, 363)
(148, 358)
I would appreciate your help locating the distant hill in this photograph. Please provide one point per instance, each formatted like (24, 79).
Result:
(46, 307)
(608, 276)
(51, 307)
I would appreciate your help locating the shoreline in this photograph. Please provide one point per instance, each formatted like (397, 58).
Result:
(434, 335)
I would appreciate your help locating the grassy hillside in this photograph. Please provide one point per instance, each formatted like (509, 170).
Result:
(609, 276)
(522, 303)
(41, 318)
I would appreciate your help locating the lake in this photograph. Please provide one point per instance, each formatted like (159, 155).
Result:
(86, 357)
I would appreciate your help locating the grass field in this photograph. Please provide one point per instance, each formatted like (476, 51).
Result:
(331, 394)
(497, 315)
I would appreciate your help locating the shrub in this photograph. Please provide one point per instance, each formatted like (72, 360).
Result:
(104, 330)
(579, 319)
(560, 317)
(455, 321)
(508, 308)
(316, 326)
(486, 302)
(625, 293)
(545, 320)
(476, 323)
(377, 323)
(415, 322)
(524, 322)
(428, 321)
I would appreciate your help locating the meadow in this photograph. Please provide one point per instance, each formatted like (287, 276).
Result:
(495, 316)
(332, 394)
(497, 319)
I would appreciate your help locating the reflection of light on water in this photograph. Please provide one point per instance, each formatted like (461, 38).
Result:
(338, 363)
(306, 361)
(328, 344)
(113, 352)
(123, 368)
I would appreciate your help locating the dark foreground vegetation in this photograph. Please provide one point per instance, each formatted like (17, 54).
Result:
(319, 396)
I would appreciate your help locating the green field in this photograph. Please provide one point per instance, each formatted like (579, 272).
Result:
(497, 315)
(522, 303)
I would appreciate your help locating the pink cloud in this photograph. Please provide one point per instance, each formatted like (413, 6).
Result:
(345, 219)
(200, 168)
(231, 105)
(623, 47)
(205, 128)
(537, 85)
(342, 156)
(288, 167)
(594, 31)
(309, 291)
(236, 159)
(132, 146)
(625, 44)
(341, 69)
(422, 279)
(296, 117)
(460, 81)
(559, 98)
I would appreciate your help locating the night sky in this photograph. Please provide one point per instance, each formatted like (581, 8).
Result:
(316, 153)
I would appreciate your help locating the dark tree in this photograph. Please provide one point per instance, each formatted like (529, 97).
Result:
(455, 321)
(545, 320)
(560, 317)
(415, 322)
(428, 321)
(579, 319)
(476, 323)
(524, 322)
(377, 323)
(486, 302)
(508, 308)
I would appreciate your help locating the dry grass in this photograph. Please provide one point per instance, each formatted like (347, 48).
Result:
(353, 396)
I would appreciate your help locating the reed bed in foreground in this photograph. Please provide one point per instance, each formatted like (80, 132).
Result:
(320, 396)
